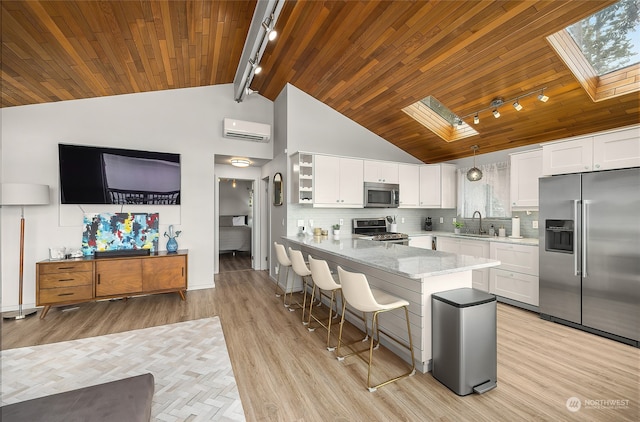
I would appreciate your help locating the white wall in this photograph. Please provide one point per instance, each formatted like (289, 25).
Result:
(184, 121)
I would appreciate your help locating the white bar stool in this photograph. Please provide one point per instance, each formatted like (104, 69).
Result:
(359, 295)
(324, 281)
(283, 261)
(301, 269)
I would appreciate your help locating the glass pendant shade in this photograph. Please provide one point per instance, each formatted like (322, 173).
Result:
(474, 174)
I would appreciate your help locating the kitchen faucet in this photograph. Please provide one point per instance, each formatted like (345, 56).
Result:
(480, 231)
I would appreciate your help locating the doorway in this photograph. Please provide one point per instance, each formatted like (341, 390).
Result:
(235, 224)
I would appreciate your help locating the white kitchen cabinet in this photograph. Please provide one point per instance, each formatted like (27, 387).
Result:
(526, 169)
(338, 182)
(602, 151)
(438, 186)
(517, 276)
(615, 150)
(409, 180)
(380, 171)
(479, 248)
(302, 178)
(423, 242)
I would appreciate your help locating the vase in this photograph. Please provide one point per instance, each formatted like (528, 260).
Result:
(172, 244)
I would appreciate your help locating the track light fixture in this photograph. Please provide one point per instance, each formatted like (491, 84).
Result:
(543, 97)
(498, 102)
(271, 33)
(517, 105)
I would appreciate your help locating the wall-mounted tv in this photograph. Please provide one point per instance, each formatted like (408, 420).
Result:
(99, 175)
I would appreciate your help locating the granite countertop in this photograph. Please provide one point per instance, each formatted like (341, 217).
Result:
(532, 241)
(394, 258)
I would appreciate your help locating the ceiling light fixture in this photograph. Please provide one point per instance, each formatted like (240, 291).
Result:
(498, 102)
(233, 184)
(517, 105)
(474, 174)
(543, 97)
(240, 162)
(272, 34)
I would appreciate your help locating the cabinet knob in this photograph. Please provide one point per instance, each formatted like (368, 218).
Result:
(597, 166)
(586, 167)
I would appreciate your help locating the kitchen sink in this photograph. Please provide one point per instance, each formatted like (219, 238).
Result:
(472, 235)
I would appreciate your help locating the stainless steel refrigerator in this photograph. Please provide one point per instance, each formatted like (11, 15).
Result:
(590, 252)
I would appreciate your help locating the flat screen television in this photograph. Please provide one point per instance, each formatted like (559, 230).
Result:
(100, 175)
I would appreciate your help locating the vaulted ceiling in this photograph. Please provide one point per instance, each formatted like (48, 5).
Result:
(368, 60)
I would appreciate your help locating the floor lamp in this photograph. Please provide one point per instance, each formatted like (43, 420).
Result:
(22, 194)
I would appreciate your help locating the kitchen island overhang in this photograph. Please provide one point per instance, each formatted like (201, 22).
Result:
(413, 274)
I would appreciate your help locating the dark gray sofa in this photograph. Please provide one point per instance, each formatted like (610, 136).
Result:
(128, 399)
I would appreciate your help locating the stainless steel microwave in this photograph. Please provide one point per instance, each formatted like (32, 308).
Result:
(381, 195)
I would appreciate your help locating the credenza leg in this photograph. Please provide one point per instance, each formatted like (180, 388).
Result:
(181, 293)
(44, 311)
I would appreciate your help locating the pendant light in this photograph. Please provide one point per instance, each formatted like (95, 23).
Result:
(474, 174)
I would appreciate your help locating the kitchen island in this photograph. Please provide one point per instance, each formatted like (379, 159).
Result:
(413, 274)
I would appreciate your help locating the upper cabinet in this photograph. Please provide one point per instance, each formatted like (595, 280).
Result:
(338, 182)
(409, 180)
(526, 169)
(437, 186)
(604, 151)
(380, 171)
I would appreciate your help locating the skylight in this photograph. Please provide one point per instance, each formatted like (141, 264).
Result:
(436, 117)
(610, 38)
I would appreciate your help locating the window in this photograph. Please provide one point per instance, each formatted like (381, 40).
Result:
(610, 38)
(489, 195)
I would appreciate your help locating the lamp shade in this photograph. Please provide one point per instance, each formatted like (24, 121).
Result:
(24, 194)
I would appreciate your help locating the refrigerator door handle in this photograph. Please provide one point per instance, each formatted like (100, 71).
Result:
(583, 229)
(576, 270)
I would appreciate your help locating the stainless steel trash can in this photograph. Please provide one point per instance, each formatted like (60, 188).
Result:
(464, 340)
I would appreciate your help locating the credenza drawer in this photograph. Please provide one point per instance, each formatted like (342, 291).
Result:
(65, 294)
(70, 279)
(65, 267)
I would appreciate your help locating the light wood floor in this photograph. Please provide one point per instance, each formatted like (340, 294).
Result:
(284, 373)
(235, 262)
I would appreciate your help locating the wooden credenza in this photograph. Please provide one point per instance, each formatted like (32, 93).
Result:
(86, 279)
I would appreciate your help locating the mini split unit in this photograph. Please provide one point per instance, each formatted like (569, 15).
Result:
(246, 131)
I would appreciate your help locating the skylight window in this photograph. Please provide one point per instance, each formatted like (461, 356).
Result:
(436, 117)
(610, 38)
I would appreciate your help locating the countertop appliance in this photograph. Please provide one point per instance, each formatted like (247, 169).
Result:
(590, 252)
(381, 195)
(428, 224)
(376, 229)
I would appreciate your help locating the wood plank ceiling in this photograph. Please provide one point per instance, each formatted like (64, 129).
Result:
(365, 59)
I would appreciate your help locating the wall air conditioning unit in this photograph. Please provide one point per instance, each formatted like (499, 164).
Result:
(246, 131)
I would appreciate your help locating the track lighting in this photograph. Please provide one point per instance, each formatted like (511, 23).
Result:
(498, 102)
(543, 97)
(233, 184)
(271, 33)
(474, 174)
(517, 106)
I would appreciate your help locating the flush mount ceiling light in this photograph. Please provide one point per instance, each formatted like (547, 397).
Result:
(498, 102)
(240, 162)
(474, 174)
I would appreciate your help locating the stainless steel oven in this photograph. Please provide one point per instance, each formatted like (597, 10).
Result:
(381, 195)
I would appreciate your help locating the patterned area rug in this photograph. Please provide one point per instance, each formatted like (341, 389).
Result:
(194, 380)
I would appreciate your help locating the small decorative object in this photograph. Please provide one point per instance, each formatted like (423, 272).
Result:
(336, 231)
(172, 243)
(393, 227)
(458, 225)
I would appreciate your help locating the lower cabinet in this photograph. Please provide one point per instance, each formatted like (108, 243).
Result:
(76, 281)
(517, 276)
(479, 248)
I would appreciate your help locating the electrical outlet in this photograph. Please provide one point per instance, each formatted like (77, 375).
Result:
(402, 220)
(341, 221)
(276, 269)
(311, 223)
(441, 220)
(534, 224)
(454, 219)
(300, 223)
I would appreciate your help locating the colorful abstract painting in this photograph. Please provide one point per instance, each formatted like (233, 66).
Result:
(106, 232)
